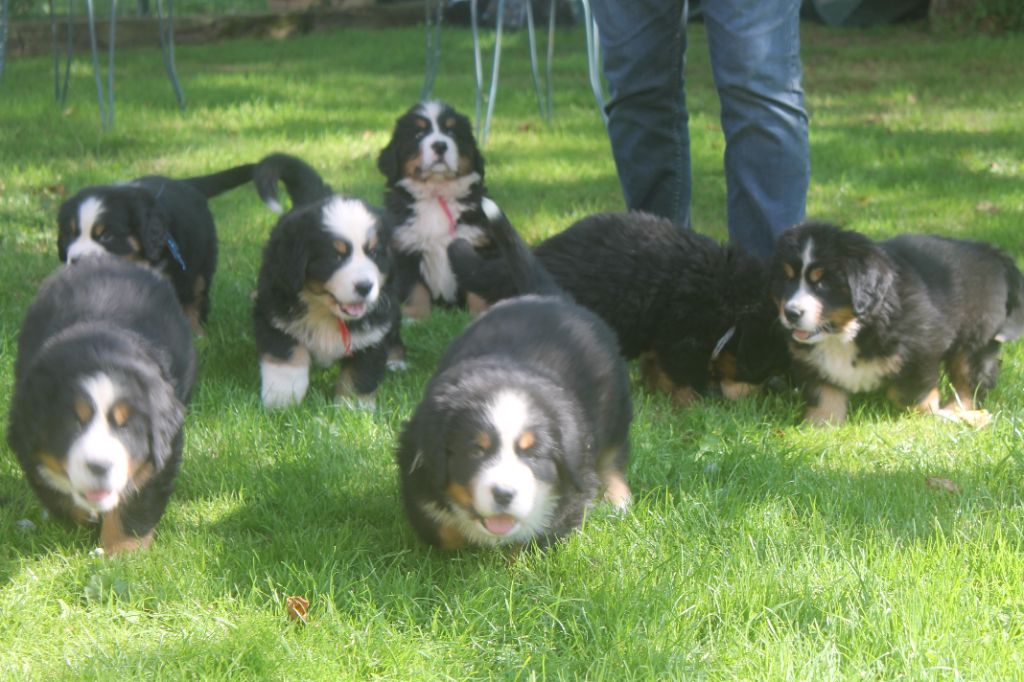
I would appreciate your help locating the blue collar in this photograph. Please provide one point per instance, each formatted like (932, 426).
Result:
(175, 252)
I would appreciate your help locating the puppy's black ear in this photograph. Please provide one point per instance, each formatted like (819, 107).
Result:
(570, 444)
(387, 161)
(149, 224)
(287, 256)
(166, 416)
(870, 274)
(425, 436)
(64, 217)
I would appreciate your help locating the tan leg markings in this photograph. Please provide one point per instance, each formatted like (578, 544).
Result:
(960, 376)
(831, 407)
(475, 304)
(418, 305)
(656, 380)
(735, 390)
(616, 489)
(191, 311)
(115, 540)
(450, 538)
(345, 390)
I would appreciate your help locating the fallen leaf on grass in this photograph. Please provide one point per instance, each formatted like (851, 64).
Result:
(986, 207)
(943, 484)
(297, 608)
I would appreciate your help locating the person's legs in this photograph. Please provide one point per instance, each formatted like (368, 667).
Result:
(755, 59)
(643, 45)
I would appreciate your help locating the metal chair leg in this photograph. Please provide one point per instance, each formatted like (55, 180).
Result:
(167, 47)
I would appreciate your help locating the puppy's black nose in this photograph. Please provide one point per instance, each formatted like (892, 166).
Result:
(793, 312)
(98, 468)
(439, 147)
(502, 496)
(364, 288)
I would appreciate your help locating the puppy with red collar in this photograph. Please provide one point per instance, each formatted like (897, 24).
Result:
(323, 295)
(435, 183)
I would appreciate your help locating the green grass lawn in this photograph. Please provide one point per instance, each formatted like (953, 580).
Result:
(756, 548)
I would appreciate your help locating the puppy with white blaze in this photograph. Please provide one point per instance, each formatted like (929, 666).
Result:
(524, 422)
(105, 369)
(323, 295)
(863, 315)
(435, 183)
(155, 220)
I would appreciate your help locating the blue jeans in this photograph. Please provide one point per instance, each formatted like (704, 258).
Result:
(755, 61)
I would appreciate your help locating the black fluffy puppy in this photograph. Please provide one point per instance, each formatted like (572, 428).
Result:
(525, 419)
(864, 315)
(160, 221)
(323, 294)
(698, 313)
(104, 371)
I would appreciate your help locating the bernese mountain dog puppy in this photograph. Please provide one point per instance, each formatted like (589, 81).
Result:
(323, 294)
(155, 220)
(525, 420)
(104, 372)
(435, 183)
(863, 315)
(697, 313)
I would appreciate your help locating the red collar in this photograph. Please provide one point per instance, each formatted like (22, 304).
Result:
(447, 212)
(346, 336)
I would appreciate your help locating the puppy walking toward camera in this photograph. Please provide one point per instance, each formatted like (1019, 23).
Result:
(525, 420)
(864, 315)
(435, 185)
(154, 220)
(323, 295)
(105, 369)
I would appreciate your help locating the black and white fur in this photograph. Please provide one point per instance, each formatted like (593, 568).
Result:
(104, 372)
(696, 312)
(864, 315)
(323, 295)
(159, 221)
(524, 421)
(435, 183)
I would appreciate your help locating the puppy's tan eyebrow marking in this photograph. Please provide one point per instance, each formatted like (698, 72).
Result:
(483, 440)
(120, 412)
(98, 229)
(83, 410)
(788, 271)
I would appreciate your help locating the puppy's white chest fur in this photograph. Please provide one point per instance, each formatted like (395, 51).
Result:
(432, 226)
(838, 361)
(319, 332)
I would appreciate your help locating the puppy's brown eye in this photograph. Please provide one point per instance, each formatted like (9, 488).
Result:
(83, 410)
(372, 244)
(98, 229)
(341, 247)
(788, 271)
(73, 226)
(120, 413)
(815, 275)
(526, 441)
(449, 122)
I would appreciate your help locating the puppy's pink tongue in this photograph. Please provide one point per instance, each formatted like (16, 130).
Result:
(500, 524)
(801, 335)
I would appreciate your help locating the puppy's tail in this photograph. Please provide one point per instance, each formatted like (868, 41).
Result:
(517, 272)
(1013, 326)
(304, 184)
(217, 183)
